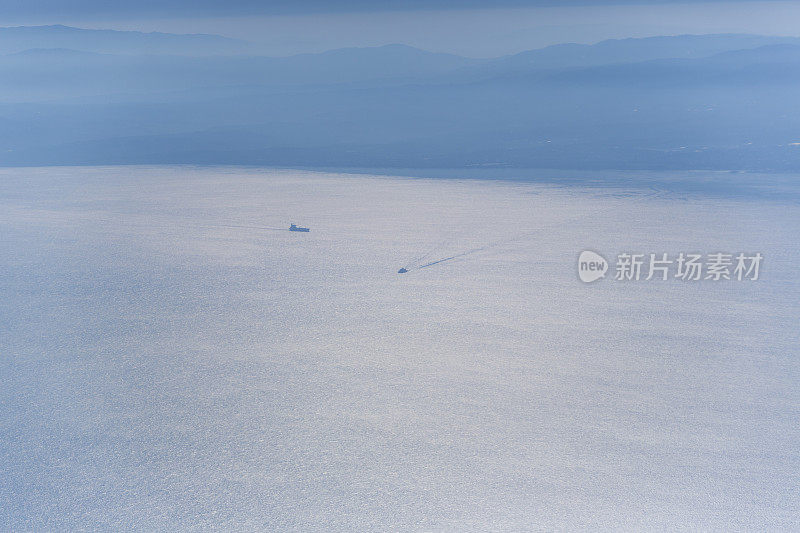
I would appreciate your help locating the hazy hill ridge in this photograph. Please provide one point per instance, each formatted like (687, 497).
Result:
(692, 101)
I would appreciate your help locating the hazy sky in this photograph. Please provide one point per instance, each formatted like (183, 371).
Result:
(285, 27)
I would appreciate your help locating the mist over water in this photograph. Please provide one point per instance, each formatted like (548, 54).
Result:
(170, 360)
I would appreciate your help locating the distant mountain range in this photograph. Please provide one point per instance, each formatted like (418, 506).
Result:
(73, 96)
(635, 50)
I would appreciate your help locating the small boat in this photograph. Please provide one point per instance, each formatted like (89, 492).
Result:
(402, 270)
(298, 228)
